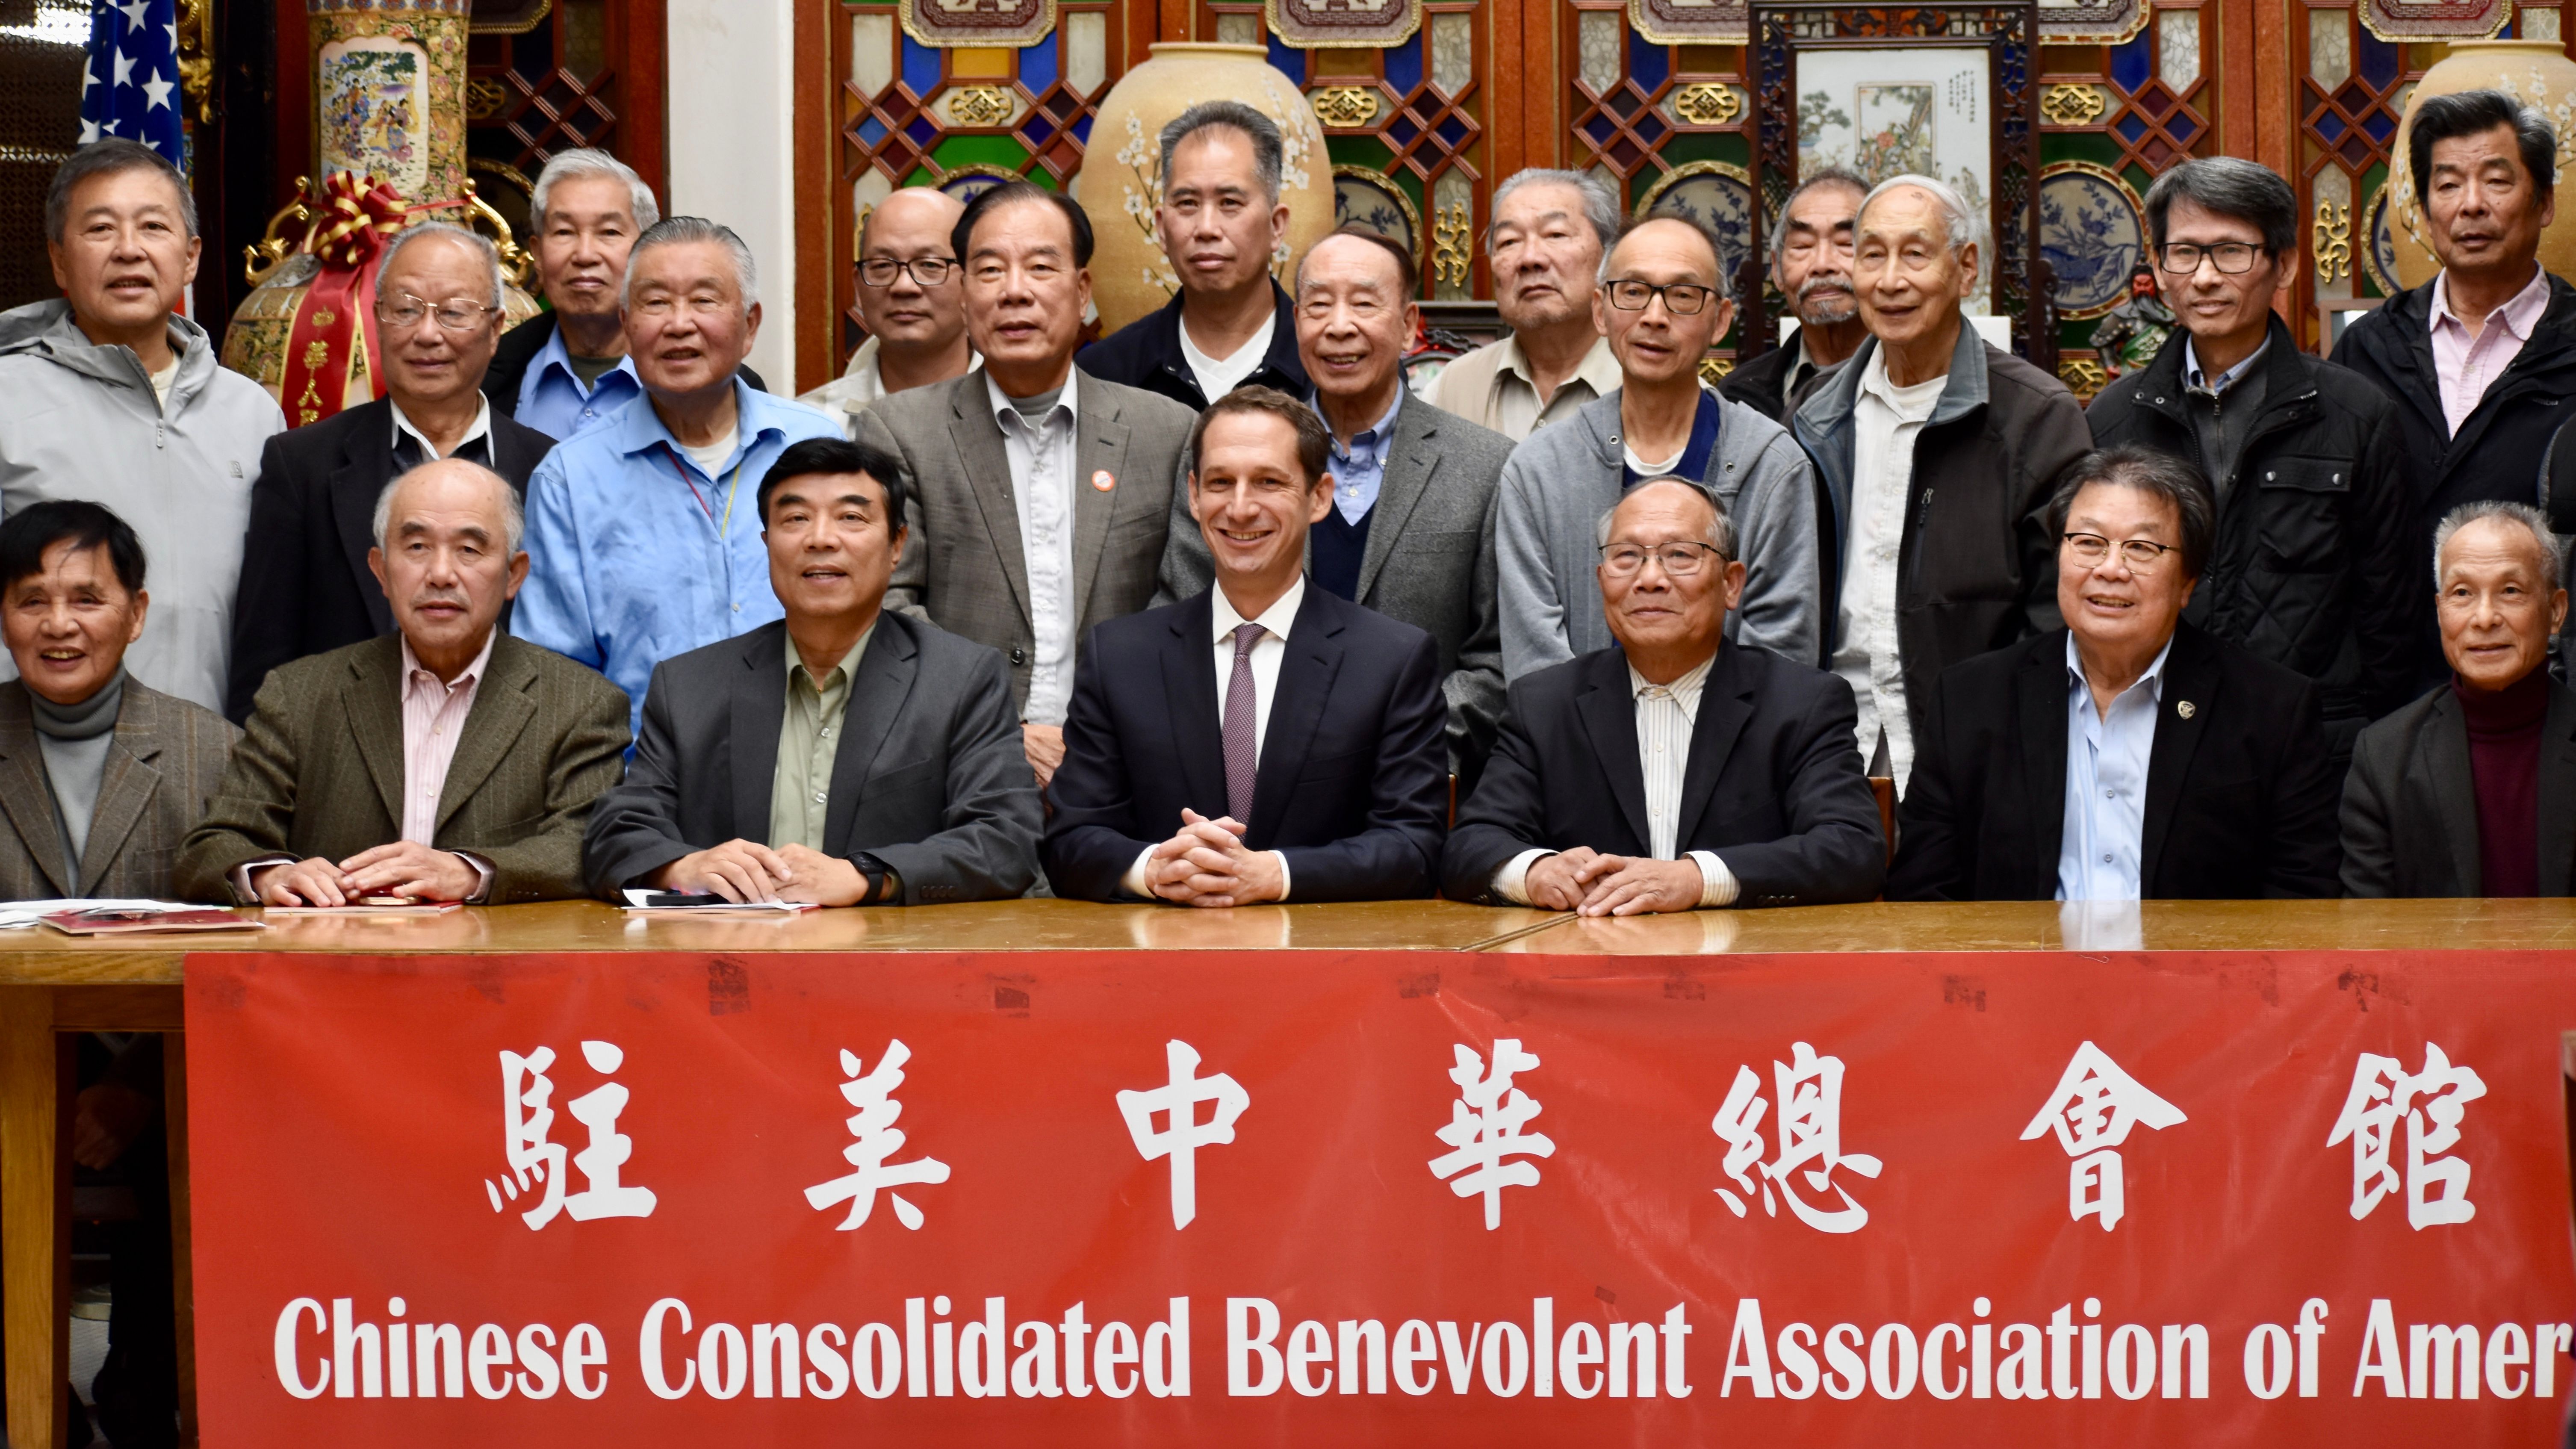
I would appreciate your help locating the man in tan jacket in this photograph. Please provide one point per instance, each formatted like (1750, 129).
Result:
(450, 762)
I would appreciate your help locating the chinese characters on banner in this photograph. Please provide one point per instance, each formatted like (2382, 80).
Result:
(1216, 1197)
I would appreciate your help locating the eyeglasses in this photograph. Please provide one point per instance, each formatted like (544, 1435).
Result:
(1679, 560)
(2183, 258)
(402, 309)
(2142, 555)
(1682, 299)
(926, 271)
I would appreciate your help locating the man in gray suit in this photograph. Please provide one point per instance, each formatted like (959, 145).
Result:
(1041, 495)
(846, 755)
(1663, 302)
(2471, 790)
(1411, 534)
(449, 762)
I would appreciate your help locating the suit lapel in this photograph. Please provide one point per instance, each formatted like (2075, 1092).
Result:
(1312, 660)
(372, 695)
(503, 704)
(124, 788)
(878, 693)
(2444, 758)
(366, 465)
(23, 794)
(2039, 687)
(1100, 446)
(2191, 678)
(2557, 790)
(1608, 710)
(759, 710)
(1725, 707)
(986, 466)
(1412, 458)
(1189, 685)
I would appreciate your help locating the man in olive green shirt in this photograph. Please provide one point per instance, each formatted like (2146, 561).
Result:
(842, 756)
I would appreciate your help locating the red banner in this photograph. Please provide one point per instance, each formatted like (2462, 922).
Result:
(1383, 1198)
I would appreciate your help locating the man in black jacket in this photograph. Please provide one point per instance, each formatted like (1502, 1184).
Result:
(305, 584)
(1675, 770)
(2128, 756)
(2482, 358)
(1220, 220)
(1811, 265)
(2312, 567)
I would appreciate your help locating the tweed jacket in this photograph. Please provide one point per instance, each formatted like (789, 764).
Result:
(162, 767)
(965, 567)
(320, 772)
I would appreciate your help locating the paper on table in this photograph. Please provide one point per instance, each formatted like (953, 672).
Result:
(28, 913)
(715, 905)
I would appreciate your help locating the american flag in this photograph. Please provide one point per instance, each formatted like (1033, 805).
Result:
(131, 88)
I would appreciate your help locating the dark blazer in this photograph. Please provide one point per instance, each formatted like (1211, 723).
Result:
(320, 771)
(519, 348)
(1146, 353)
(929, 777)
(1354, 782)
(2410, 804)
(163, 765)
(2240, 792)
(1772, 785)
(1756, 382)
(1429, 561)
(305, 586)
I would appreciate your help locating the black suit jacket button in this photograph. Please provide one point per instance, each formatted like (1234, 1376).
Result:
(1019, 656)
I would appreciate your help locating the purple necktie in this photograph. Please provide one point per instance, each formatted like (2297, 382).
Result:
(1242, 751)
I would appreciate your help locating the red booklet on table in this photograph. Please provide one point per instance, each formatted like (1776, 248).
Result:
(127, 921)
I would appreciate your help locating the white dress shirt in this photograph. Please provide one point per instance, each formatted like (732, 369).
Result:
(1885, 419)
(1042, 484)
(481, 428)
(1666, 714)
(1218, 376)
(2102, 838)
(1266, 654)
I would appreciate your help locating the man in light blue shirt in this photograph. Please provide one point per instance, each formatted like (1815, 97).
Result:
(643, 534)
(2107, 746)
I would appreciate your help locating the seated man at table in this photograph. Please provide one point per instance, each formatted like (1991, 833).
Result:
(846, 755)
(100, 776)
(1265, 740)
(2128, 755)
(450, 762)
(1673, 770)
(2471, 790)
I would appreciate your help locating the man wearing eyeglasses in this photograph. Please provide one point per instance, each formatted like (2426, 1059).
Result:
(1663, 302)
(2310, 568)
(306, 588)
(2130, 755)
(1673, 770)
(913, 299)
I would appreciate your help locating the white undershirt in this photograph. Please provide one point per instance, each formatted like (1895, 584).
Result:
(1221, 375)
(716, 454)
(1885, 418)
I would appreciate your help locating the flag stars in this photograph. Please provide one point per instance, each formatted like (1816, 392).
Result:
(135, 10)
(124, 69)
(159, 90)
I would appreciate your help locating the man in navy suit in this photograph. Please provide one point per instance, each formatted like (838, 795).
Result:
(1264, 740)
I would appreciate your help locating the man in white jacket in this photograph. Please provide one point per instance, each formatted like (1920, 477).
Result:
(114, 398)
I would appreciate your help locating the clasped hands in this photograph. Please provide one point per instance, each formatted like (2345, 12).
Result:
(404, 868)
(1207, 864)
(1587, 882)
(744, 871)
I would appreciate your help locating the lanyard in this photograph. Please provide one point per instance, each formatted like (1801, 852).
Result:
(724, 526)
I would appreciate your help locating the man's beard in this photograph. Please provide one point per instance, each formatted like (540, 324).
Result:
(1826, 304)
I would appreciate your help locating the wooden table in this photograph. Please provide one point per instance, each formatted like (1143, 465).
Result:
(51, 985)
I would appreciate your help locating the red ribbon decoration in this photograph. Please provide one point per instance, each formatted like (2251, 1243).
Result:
(337, 314)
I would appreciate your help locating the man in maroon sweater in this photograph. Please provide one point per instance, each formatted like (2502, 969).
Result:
(2471, 790)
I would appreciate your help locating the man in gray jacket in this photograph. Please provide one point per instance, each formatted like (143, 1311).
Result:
(114, 398)
(1663, 301)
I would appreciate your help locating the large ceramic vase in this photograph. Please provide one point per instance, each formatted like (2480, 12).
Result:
(2536, 71)
(1121, 180)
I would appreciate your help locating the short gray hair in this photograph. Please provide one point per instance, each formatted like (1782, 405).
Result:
(1600, 203)
(480, 245)
(1725, 283)
(1268, 151)
(514, 519)
(2552, 552)
(587, 161)
(2469, 113)
(1824, 176)
(2226, 186)
(1966, 227)
(106, 157)
(1721, 529)
(680, 230)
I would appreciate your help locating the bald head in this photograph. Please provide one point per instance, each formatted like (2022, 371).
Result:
(447, 484)
(908, 318)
